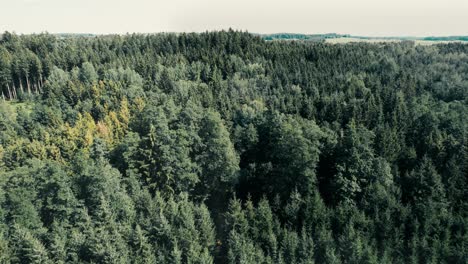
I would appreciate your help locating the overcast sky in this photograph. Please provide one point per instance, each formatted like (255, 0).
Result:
(357, 17)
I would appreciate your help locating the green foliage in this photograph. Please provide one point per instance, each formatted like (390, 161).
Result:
(221, 147)
(217, 156)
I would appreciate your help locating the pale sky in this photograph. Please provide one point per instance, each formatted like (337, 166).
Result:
(356, 17)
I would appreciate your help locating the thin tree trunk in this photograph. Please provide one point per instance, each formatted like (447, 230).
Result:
(15, 95)
(41, 84)
(29, 86)
(9, 92)
(21, 86)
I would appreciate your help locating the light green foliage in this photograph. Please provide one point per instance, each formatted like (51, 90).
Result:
(217, 156)
(88, 73)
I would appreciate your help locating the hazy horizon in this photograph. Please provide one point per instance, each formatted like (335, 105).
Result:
(359, 17)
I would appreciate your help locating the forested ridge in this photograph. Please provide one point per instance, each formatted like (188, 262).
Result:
(223, 147)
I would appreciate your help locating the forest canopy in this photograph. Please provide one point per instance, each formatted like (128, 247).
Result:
(222, 147)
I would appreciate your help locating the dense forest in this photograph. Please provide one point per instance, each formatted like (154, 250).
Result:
(222, 147)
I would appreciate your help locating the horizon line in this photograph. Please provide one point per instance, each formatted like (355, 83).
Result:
(350, 35)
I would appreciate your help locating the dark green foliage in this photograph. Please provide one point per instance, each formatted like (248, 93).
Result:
(223, 147)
